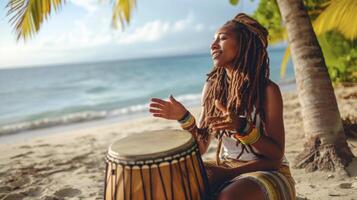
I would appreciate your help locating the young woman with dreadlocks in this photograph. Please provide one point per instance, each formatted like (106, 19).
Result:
(243, 109)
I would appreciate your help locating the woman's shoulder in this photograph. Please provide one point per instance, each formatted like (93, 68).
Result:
(273, 93)
(272, 88)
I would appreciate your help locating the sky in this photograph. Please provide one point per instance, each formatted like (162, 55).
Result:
(81, 32)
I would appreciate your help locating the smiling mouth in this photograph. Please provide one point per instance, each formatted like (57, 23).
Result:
(216, 54)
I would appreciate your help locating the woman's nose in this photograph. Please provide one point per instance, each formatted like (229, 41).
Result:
(214, 45)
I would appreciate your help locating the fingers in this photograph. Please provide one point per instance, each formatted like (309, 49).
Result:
(159, 101)
(160, 115)
(222, 126)
(155, 111)
(157, 105)
(215, 119)
(172, 99)
(220, 106)
(212, 119)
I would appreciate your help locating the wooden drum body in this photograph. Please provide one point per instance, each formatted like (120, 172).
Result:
(155, 165)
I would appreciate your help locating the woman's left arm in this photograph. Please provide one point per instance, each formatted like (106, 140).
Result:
(271, 144)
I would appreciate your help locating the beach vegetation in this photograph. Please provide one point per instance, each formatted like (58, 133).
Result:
(326, 147)
(333, 24)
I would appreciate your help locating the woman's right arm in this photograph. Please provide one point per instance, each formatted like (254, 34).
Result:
(174, 110)
(203, 144)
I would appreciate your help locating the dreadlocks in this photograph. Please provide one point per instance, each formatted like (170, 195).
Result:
(250, 75)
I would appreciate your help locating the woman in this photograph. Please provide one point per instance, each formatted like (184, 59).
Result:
(243, 109)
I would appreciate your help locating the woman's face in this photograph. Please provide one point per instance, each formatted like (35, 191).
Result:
(224, 48)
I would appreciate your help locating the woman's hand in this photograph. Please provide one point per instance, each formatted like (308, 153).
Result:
(229, 121)
(171, 109)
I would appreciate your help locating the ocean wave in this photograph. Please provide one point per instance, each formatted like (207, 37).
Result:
(84, 116)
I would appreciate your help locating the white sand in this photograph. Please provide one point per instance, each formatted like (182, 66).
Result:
(70, 165)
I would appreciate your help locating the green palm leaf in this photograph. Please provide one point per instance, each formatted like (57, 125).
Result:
(27, 15)
(339, 15)
(122, 11)
(284, 62)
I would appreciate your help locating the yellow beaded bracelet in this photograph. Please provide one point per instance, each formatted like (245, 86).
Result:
(249, 139)
(188, 123)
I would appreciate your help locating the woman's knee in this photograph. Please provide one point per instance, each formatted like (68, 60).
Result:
(242, 190)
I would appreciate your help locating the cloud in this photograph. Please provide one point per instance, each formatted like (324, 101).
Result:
(88, 5)
(150, 32)
(182, 24)
(86, 35)
(155, 30)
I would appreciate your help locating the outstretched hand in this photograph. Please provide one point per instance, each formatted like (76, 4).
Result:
(171, 109)
(229, 121)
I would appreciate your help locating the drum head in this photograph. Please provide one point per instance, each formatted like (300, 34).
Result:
(151, 145)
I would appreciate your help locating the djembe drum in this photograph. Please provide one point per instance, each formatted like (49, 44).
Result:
(155, 165)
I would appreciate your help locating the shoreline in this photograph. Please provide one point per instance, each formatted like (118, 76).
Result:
(16, 130)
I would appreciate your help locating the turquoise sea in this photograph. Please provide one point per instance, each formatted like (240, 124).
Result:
(38, 97)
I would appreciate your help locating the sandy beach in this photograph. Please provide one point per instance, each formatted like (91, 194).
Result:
(70, 164)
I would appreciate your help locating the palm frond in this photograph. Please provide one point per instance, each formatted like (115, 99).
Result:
(27, 15)
(339, 15)
(284, 62)
(122, 12)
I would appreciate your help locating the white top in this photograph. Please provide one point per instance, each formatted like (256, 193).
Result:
(232, 149)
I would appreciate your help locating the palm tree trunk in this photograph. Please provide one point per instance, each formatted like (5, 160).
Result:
(326, 147)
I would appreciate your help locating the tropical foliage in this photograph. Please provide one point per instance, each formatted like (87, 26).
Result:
(339, 15)
(27, 16)
(340, 56)
(336, 37)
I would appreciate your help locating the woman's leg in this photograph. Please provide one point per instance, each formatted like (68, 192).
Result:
(242, 189)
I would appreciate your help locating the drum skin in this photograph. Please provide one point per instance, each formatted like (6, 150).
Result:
(173, 170)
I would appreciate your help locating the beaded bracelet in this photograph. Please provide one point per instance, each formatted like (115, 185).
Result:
(249, 139)
(184, 118)
(187, 122)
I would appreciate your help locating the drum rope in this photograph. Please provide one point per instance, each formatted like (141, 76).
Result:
(116, 182)
(111, 178)
(142, 180)
(182, 179)
(123, 166)
(171, 182)
(204, 174)
(188, 178)
(131, 183)
(151, 186)
(105, 179)
(196, 179)
(162, 181)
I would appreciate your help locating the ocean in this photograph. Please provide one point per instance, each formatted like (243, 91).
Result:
(40, 97)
